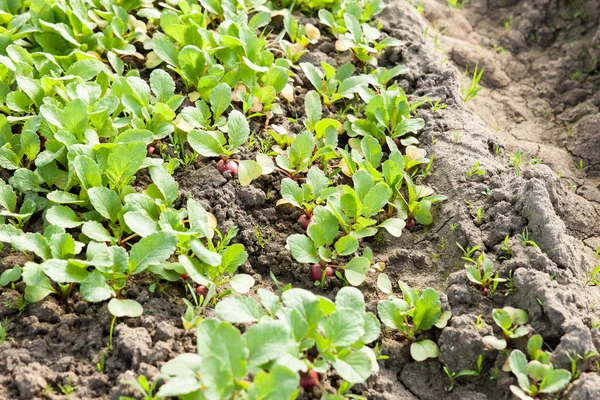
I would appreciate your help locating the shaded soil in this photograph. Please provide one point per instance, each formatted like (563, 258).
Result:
(56, 342)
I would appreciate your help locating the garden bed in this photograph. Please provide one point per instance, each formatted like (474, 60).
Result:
(540, 236)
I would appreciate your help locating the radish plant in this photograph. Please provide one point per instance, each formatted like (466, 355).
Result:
(215, 144)
(415, 313)
(511, 321)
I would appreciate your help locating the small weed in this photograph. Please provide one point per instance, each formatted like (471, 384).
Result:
(19, 304)
(500, 50)
(515, 160)
(453, 227)
(479, 322)
(582, 167)
(577, 75)
(145, 388)
(592, 277)
(452, 376)
(505, 248)
(508, 23)
(4, 326)
(458, 4)
(67, 388)
(101, 364)
(474, 88)
(523, 238)
(468, 252)
(456, 135)
(436, 105)
(480, 215)
(260, 233)
(510, 285)
(475, 171)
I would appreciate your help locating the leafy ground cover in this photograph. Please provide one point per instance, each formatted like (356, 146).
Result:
(208, 200)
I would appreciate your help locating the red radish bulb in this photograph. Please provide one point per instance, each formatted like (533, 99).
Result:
(184, 276)
(309, 380)
(304, 221)
(202, 291)
(151, 150)
(410, 223)
(317, 272)
(230, 166)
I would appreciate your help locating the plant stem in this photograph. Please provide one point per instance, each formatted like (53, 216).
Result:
(110, 336)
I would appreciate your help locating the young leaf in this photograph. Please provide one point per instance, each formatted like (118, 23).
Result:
(302, 248)
(420, 351)
(151, 250)
(125, 308)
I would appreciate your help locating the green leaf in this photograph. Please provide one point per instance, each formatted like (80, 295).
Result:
(151, 250)
(220, 339)
(194, 270)
(305, 303)
(162, 85)
(384, 284)
(427, 310)
(239, 310)
(242, 283)
(314, 110)
(164, 49)
(179, 386)
(346, 245)
(356, 269)
(216, 377)
(394, 226)
(30, 144)
(166, 184)
(38, 284)
(302, 248)
(124, 161)
(555, 381)
(205, 143)
(420, 351)
(248, 171)
(351, 298)
(391, 313)
(141, 223)
(63, 216)
(62, 271)
(106, 202)
(324, 227)
(237, 128)
(291, 192)
(10, 275)
(125, 308)
(354, 367)
(301, 150)
(220, 99)
(422, 212)
(95, 231)
(205, 255)
(94, 288)
(88, 172)
(518, 366)
(266, 341)
(344, 327)
(313, 74)
(375, 199)
(280, 383)
(494, 342)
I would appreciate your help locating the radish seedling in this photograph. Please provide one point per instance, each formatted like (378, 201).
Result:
(481, 273)
(334, 85)
(545, 378)
(215, 144)
(511, 321)
(416, 312)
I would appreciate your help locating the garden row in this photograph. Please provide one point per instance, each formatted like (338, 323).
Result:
(82, 118)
